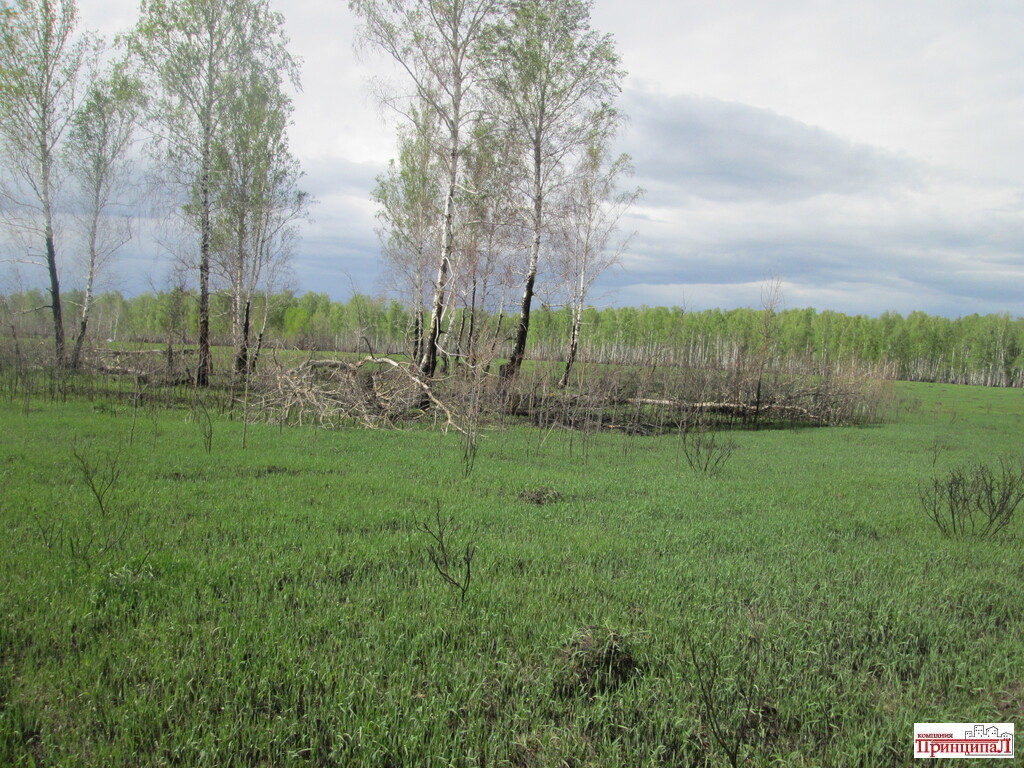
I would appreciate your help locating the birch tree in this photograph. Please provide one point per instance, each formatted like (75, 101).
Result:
(435, 43)
(197, 54)
(408, 197)
(586, 236)
(553, 78)
(485, 276)
(40, 62)
(97, 155)
(258, 202)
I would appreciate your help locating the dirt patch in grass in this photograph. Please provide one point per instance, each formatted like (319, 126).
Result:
(182, 477)
(1010, 702)
(272, 470)
(540, 496)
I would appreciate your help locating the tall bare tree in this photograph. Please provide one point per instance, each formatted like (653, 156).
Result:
(97, 156)
(198, 54)
(553, 78)
(40, 63)
(435, 43)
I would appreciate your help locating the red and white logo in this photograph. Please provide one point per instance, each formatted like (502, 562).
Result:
(950, 740)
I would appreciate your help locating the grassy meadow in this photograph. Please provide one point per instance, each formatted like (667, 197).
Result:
(183, 590)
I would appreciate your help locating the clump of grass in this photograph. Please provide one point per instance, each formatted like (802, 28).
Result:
(595, 660)
(540, 496)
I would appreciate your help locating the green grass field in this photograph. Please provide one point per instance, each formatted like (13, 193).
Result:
(276, 604)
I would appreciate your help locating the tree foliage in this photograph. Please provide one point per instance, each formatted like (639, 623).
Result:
(257, 202)
(40, 63)
(554, 79)
(97, 155)
(436, 44)
(198, 55)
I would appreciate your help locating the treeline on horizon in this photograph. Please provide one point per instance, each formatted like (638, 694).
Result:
(975, 349)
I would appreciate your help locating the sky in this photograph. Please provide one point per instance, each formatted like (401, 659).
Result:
(868, 155)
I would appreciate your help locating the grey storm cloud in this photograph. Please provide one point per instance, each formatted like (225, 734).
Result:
(819, 261)
(737, 194)
(728, 151)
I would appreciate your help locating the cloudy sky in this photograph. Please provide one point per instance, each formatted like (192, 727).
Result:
(870, 155)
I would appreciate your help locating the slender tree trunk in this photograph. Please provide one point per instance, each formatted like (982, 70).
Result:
(90, 282)
(257, 347)
(428, 363)
(577, 310)
(255, 356)
(241, 305)
(83, 323)
(205, 363)
(511, 369)
(55, 303)
(76, 352)
(574, 342)
(51, 266)
(417, 334)
(242, 352)
(472, 346)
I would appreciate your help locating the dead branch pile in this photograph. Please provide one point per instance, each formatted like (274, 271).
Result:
(371, 392)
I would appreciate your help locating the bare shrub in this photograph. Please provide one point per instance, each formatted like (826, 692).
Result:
(705, 448)
(87, 538)
(455, 567)
(974, 499)
(733, 698)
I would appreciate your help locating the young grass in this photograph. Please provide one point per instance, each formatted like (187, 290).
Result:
(277, 604)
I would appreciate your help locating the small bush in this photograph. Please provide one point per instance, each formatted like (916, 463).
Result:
(974, 499)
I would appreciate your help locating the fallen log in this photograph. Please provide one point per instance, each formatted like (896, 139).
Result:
(729, 409)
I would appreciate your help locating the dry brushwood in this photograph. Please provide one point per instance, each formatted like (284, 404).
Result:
(165, 366)
(372, 391)
(741, 410)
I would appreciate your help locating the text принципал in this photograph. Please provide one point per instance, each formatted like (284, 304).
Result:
(963, 740)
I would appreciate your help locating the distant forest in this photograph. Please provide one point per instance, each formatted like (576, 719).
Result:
(976, 349)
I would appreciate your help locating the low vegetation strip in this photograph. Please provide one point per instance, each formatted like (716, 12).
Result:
(183, 588)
